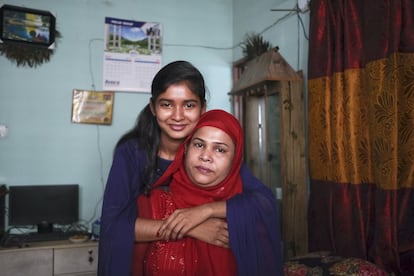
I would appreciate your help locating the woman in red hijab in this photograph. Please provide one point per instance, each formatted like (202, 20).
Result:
(206, 171)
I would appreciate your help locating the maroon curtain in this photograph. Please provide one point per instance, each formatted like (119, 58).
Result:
(361, 130)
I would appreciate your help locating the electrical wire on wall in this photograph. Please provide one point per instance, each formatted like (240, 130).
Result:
(295, 10)
(298, 10)
(300, 24)
(98, 138)
(291, 12)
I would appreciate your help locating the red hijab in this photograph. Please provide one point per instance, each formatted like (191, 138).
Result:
(185, 193)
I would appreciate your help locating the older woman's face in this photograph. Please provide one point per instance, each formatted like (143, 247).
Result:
(209, 156)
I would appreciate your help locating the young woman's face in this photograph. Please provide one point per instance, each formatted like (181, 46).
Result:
(177, 111)
(209, 156)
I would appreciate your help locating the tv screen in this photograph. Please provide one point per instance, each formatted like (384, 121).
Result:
(43, 205)
(28, 26)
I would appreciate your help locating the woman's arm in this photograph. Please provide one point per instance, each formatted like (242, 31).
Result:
(213, 231)
(182, 221)
(146, 229)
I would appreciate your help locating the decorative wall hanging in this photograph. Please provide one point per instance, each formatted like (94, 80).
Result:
(28, 37)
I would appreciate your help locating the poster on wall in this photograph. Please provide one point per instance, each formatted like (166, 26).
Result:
(132, 54)
(92, 107)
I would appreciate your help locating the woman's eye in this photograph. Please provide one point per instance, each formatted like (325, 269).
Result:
(165, 105)
(221, 150)
(198, 145)
(189, 105)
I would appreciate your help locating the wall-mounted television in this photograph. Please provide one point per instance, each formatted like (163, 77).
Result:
(27, 26)
(43, 205)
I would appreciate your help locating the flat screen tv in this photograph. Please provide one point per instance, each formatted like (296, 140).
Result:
(27, 26)
(43, 205)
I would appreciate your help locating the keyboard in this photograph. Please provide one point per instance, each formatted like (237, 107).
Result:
(22, 239)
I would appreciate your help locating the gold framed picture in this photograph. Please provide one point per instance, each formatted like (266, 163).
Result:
(92, 107)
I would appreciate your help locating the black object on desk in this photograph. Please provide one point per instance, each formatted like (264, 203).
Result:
(23, 240)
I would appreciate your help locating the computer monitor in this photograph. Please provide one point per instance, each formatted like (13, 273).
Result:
(43, 205)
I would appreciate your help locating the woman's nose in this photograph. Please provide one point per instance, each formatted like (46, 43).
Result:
(178, 113)
(204, 157)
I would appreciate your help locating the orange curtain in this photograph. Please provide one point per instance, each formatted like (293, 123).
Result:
(361, 130)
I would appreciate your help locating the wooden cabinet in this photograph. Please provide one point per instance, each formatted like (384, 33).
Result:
(75, 260)
(50, 258)
(268, 99)
(23, 262)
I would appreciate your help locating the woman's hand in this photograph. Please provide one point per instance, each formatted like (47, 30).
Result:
(213, 231)
(182, 221)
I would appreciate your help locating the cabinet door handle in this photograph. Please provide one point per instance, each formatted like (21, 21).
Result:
(90, 259)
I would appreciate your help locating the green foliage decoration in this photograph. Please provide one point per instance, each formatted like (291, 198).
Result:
(254, 45)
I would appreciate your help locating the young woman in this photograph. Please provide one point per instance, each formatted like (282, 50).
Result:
(140, 158)
(206, 170)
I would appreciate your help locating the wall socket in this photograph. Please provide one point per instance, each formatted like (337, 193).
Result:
(3, 130)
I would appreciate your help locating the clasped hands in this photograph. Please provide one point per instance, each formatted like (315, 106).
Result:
(199, 222)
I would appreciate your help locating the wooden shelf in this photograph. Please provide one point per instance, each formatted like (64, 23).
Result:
(268, 99)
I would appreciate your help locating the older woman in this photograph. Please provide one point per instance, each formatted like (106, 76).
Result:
(206, 173)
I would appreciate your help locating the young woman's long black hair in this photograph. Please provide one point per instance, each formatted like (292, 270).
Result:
(146, 130)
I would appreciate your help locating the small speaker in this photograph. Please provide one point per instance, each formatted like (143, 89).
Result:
(3, 192)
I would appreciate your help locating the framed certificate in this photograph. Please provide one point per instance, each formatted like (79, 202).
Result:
(92, 107)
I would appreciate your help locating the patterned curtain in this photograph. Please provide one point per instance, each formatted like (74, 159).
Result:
(361, 130)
